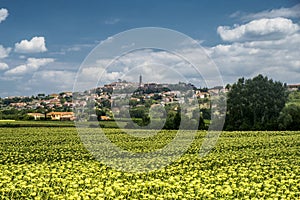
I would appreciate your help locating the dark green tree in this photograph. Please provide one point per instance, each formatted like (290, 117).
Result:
(173, 120)
(255, 104)
(289, 118)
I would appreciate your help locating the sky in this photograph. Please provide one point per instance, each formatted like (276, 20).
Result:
(44, 43)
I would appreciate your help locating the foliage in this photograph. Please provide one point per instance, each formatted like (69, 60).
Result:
(14, 114)
(52, 163)
(289, 118)
(255, 104)
(294, 97)
(173, 120)
(33, 123)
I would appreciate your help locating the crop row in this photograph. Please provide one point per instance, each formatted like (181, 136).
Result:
(52, 163)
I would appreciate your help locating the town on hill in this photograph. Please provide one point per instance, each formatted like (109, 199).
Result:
(60, 106)
(129, 100)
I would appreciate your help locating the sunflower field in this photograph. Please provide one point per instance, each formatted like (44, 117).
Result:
(52, 163)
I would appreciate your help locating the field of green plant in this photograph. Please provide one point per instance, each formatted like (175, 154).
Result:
(42, 123)
(52, 163)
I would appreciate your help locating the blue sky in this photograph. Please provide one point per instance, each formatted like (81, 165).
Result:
(43, 43)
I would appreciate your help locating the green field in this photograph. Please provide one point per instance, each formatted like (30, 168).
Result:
(52, 163)
(15, 123)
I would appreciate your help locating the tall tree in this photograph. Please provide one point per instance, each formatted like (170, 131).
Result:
(255, 104)
(289, 118)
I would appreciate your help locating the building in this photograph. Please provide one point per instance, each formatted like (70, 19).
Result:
(104, 118)
(293, 87)
(140, 82)
(18, 105)
(61, 116)
(54, 95)
(202, 95)
(37, 116)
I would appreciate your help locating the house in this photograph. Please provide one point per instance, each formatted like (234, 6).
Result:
(216, 90)
(202, 95)
(18, 105)
(61, 115)
(54, 101)
(36, 116)
(293, 87)
(105, 118)
(54, 95)
(66, 94)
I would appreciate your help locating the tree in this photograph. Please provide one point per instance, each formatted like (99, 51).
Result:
(289, 118)
(140, 112)
(255, 104)
(173, 120)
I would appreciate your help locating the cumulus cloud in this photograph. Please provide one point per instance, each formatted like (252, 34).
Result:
(3, 66)
(57, 80)
(4, 52)
(35, 45)
(269, 44)
(154, 65)
(278, 59)
(31, 65)
(3, 14)
(265, 45)
(261, 29)
(293, 12)
(52, 81)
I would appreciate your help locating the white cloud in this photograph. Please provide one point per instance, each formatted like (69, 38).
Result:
(3, 14)
(270, 45)
(35, 45)
(19, 70)
(4, 52)
(56, 81)
(107, 40)
(128, 45)
(112, 21)
(262, 29)
(42, 81)
(75, 48)
(32, 65)
(155, 66)
(3, 66)
(278, 59)
(37, 62)
(293, 12)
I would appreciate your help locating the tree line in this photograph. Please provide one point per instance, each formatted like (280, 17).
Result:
(260, 104)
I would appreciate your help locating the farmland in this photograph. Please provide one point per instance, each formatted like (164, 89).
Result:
(52, 163)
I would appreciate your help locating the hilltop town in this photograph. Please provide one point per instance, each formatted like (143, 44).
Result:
(60, 106)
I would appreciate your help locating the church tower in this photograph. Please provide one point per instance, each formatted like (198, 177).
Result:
(140, 83)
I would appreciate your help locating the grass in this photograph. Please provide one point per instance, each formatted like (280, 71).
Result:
(14, 123)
